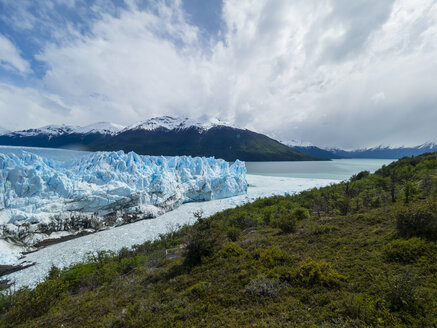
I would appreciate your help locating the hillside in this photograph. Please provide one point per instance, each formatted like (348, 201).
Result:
(165, 135)
(361, 253)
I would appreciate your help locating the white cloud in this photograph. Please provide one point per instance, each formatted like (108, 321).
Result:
(10, 57)
(378, 98)
(334, 72)
(26, 108)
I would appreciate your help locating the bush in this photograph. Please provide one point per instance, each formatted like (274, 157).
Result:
(320, 229)
(267, 215)
(403, 294)
(418, 220)
(301, 213)
(54, 272)
(318, 273)
(405, 251)
(281, 273)
(199, 289)
(231, 249)
(28, 304)
(272, 257)
(127, 264)
(233, 233)
(202, 242)
(371, 310)
(243, 220)
(286, 223)
(359, 176)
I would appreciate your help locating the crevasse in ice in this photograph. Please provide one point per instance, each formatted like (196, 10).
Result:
(40, 195)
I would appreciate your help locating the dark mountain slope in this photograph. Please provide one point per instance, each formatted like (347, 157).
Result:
(220, 141)
(318, 152)
(67, 140)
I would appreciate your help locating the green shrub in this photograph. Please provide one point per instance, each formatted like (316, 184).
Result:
(231, 249)
(272, 257)
(81, 274)
(28, 304)
(202, 242)
(405, 251)
(301, 213)
(233, 233)
(318, 273)
(54, 272)
(320, 229)
(5, 302)
(342, 205)
(287, 223)
(243, 220)
(199, 289)
(371, 310)
(418, 220)
(281, 273)
(127, 264)
(403, 294)
(267, 215)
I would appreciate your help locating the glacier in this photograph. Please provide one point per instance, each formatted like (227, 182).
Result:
(44, 196)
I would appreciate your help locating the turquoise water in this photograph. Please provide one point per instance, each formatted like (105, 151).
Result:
(337, 169)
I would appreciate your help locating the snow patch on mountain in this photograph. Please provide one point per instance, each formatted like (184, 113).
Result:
(163, 122)
(173, 123)
(429, 146)
(41, 195)
(297, 143)
(50, 130)
(100, 127)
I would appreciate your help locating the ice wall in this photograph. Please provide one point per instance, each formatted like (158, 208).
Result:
(40, 195)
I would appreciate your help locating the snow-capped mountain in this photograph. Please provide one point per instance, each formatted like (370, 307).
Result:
(164, 135)
(100, 127)
(382, 152)
(41, 195)
(297, 143)
(386, 151)
(428, 146)
(173, 123)
(49, 130)
(59, 130)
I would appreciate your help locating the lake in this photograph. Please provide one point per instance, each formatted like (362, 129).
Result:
(337, 169)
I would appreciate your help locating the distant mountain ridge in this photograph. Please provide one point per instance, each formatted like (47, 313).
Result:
(164, 135)
(381, 152)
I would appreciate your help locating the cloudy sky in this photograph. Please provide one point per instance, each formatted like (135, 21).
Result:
(331, 72)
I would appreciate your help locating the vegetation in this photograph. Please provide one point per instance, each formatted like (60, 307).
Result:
(361, 253)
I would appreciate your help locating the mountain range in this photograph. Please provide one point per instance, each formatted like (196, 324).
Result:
(381, 152)
(167, 136)
(171, 136)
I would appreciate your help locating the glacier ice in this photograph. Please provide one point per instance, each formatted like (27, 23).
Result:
(40, 195)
